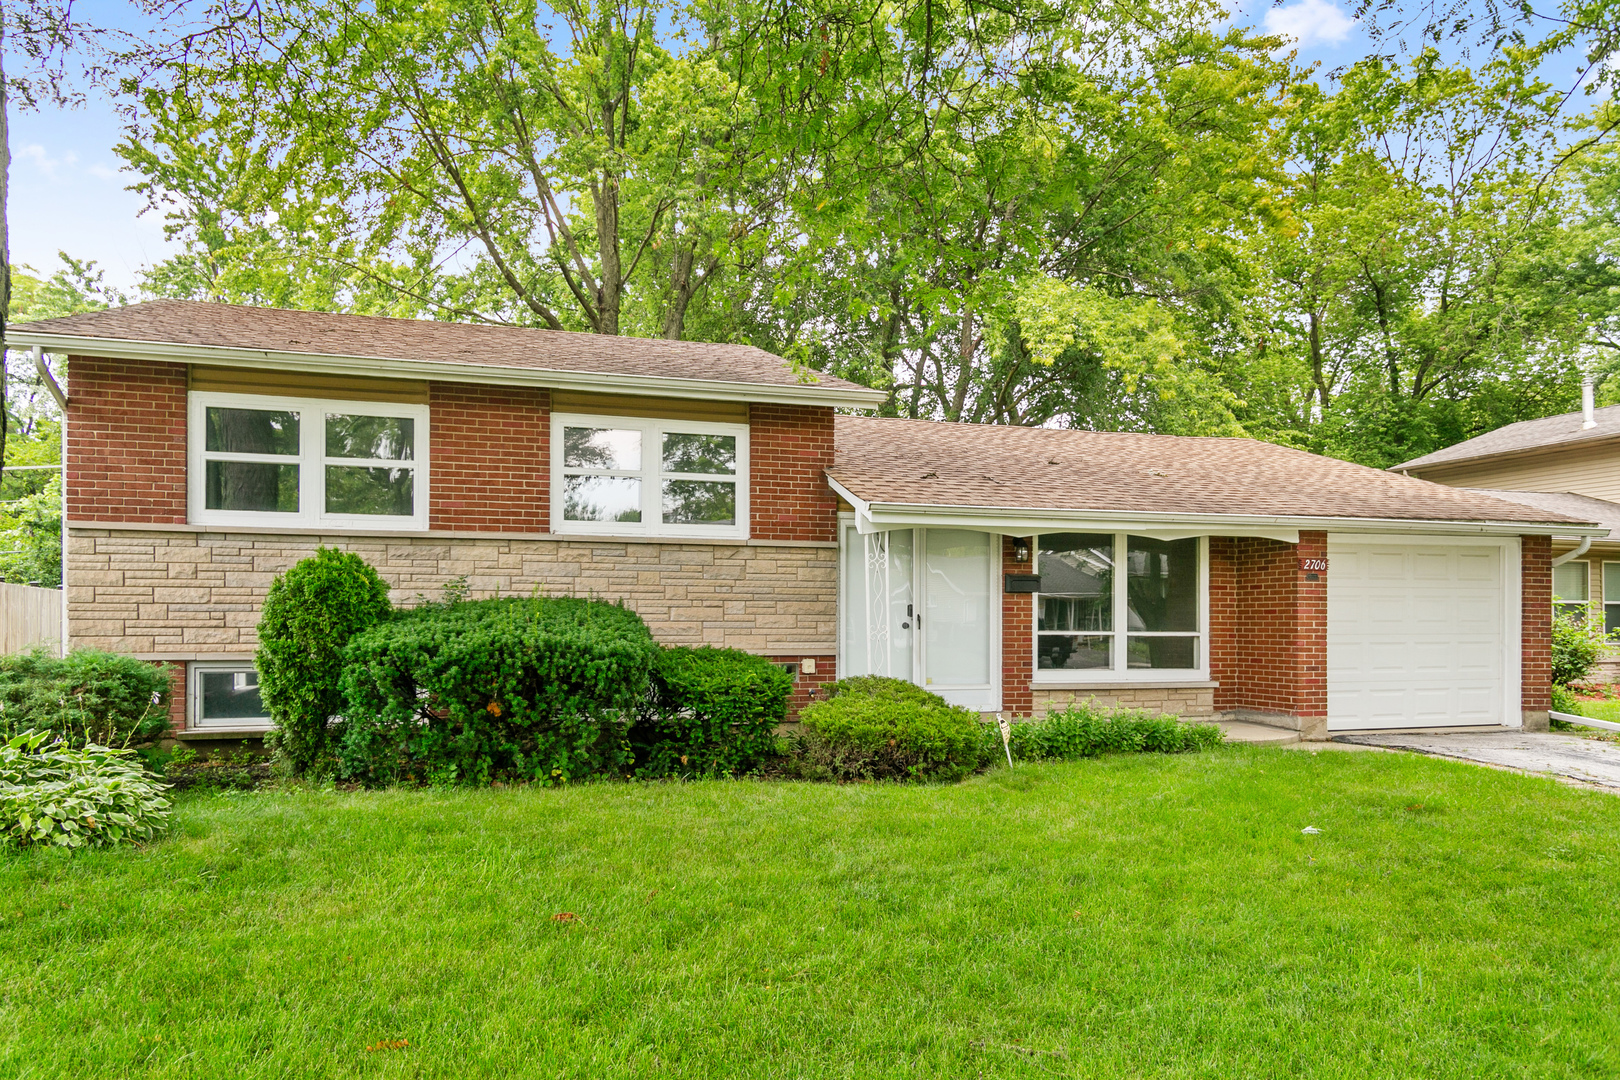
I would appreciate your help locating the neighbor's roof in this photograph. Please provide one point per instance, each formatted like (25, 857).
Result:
(196, 332)
(1585, 507)
(922, 463)
(1546, 433)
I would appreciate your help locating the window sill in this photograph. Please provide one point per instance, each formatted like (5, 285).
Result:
(207, 734)
(1124, 684)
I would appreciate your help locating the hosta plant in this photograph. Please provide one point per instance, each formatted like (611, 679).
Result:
(51, 794)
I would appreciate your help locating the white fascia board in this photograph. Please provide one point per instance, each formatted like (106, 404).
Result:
(378, 367)
(877, 517)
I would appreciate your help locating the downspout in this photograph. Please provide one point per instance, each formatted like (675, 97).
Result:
(61, 400)
(1586, 543)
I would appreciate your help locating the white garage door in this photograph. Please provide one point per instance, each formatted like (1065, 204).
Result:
(1416, 634)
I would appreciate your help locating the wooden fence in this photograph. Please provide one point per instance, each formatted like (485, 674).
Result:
(29, 616)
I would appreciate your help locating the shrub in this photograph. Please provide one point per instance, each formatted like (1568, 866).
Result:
(309, 616)
(51, 794)
(1082, 731)
(1577, 642)
(887, 730)
(882, 686)
(470, 692)
(87, 696)
(712, 712)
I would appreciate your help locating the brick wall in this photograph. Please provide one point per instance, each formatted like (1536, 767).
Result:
(1268, 627)
(790, 449)
(490, 458)
(1017, 639)
(1535, 596)
(808, 687)
(126, 441)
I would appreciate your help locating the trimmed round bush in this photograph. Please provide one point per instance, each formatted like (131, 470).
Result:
(55, 795)
(888, 729)
(541, 689)
(309, 616)
(87, 696)
(713, 712)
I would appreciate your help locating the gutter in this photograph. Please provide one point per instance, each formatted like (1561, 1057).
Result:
(396, 368)
(1586, 543)
(875, 517)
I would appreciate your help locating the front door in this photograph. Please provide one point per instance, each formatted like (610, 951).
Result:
(920, 604)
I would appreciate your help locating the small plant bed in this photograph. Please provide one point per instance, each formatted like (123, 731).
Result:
(188, 769)
(1134, 915)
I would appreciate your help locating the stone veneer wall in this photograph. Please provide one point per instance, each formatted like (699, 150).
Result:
(189, 594)
(1186, 702)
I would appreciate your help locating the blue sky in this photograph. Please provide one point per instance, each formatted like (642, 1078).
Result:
(68, 193)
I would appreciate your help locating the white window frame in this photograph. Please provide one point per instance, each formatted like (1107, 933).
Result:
(1119, 673)
(311, 461)
(1582, 607)
(1603, 582)
(194, 717)
(651, 475)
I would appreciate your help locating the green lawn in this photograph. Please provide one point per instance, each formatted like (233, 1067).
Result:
(1134, 916)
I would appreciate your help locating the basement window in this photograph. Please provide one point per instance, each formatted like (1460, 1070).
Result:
(224, 696)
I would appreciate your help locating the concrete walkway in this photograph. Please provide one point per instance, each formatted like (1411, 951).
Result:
(1565, 757)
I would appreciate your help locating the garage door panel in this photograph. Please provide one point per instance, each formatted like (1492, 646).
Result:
(1415, 635)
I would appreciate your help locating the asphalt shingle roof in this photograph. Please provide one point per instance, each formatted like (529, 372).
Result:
(228, 326)
(1547, 432)
(1584, 507)
(925, 463)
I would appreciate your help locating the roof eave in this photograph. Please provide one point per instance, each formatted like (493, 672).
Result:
(397, 367)
(876, 516)
(1420, 464)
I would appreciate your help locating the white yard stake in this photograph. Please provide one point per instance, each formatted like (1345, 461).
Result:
(1006, 737)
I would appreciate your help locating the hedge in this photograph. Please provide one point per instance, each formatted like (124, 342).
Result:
(874, 728)
(309, 616)
(541, 689)
(87, 696)
(712, 712)
(1088, 730)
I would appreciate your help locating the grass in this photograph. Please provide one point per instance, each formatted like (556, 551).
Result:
(1130, 916)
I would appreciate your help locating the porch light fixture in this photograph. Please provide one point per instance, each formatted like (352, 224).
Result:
(1021, 549)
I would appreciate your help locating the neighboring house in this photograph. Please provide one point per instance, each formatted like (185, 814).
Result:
(714, 489)
(1567, 464)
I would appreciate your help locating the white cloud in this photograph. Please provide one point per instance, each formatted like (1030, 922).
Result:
(43, 161)
(1310, 22)
(102, 172)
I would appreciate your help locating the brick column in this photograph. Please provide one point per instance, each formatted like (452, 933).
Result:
(1535, 630)
(1310, 639)
(1017, 639)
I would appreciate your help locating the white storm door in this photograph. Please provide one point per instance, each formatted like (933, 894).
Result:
(961, 622)
(1417, 634)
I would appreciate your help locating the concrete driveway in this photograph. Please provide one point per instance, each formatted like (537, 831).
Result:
(1557, 754)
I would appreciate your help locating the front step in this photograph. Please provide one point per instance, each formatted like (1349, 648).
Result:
(1245, 731)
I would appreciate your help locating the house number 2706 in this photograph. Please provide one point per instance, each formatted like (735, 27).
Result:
(1315, 565)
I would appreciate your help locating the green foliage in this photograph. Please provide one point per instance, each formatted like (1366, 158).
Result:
(88, 696)
(713, 712)
(73, 798)
(31, 534)
(1564, 701)
(540, 689)
(885, 732)
(1083, 731)
(1577, 642)
(882, 686)
(309, 615)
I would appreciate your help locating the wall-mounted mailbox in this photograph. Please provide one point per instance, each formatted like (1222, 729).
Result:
(1023, 583)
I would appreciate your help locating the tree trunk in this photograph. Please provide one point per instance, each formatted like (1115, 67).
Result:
(5, 239)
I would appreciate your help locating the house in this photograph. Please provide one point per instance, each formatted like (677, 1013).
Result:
(727, 498)
(1567, 464)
